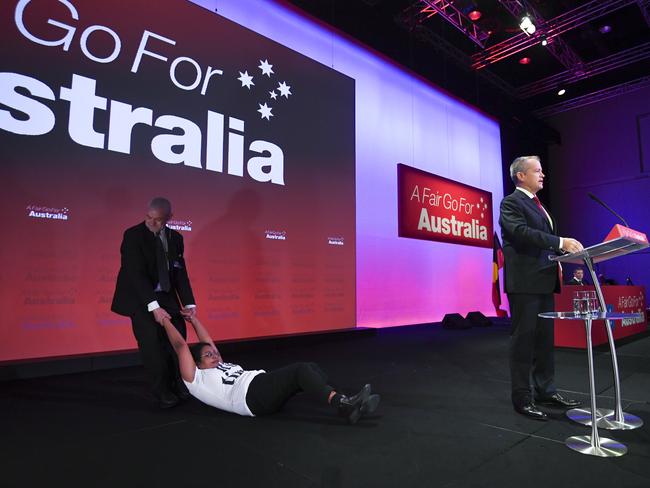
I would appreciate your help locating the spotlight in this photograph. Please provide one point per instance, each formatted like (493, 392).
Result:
(544, 41)
(525, 60)
(527, 25)
(605, 29)
(561, 91)
(474, 15)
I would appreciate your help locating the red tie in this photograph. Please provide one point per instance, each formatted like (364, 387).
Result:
(539, 204)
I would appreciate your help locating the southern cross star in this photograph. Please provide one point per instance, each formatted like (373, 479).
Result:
(267, 69)
(246, 80)
(285, 90)
(265, 110)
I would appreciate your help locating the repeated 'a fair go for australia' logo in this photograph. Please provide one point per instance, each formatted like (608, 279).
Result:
(47, 213)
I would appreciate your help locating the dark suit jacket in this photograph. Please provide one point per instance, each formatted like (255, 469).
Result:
(138, 275)
(573, 281)
(528, 241)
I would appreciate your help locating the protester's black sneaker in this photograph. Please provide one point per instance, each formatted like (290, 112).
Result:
(369, 406)
(350, 406)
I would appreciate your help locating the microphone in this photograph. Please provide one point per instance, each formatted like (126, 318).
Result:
(595, 198)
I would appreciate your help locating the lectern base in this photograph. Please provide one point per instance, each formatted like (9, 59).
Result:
(607, 448)
(606, 419)
(629, 422)
(583, 415)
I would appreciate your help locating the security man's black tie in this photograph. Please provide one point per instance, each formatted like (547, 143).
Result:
(163, 266)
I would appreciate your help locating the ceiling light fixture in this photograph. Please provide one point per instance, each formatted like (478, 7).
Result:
(605, 29)
(527, 25)
(525, 60)
(561, 92)
(474, 15)
(544, 41)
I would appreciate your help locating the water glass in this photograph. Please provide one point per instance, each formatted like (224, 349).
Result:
(585, 302)
(579, 304)
(592, 301)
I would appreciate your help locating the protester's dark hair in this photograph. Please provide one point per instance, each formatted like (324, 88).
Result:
(196, 349)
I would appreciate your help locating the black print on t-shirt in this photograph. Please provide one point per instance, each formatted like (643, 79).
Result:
(231, 372)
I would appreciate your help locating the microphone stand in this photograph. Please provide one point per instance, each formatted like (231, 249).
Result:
(596, 199)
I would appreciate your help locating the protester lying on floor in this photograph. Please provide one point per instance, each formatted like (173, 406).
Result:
(229, 387)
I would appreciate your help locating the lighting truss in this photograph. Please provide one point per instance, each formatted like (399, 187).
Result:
(594, 97)
(550, 29)
(557, 47)
(423, 10)
(587, 70)
(461, 59)
(644, 5)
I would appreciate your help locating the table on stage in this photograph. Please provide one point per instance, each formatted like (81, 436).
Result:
(621, 299)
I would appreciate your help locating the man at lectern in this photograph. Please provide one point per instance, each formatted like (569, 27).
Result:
(529, 235)
(578, 277)
(153, 284)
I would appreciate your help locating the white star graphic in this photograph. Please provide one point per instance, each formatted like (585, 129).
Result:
(266, 68)
(274, 95)
(246, 79)
(265, 110)
(285, 90)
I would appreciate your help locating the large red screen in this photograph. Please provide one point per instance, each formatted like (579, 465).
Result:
(103, 108)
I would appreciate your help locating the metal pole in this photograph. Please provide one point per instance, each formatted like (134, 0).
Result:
(594, 445)
(616, 419)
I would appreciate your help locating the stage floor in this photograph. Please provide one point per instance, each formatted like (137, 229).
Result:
(445, 420)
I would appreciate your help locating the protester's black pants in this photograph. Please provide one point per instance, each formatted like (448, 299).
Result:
(268, 392)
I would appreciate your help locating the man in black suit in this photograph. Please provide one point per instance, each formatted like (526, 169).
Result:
(578, 277)
(151, 285)
(530, 236)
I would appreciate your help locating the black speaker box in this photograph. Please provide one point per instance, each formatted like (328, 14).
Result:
(455, 321)
(477, 319)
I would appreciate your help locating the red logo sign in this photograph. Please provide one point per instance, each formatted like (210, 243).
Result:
(434, 208)
(621, 231)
